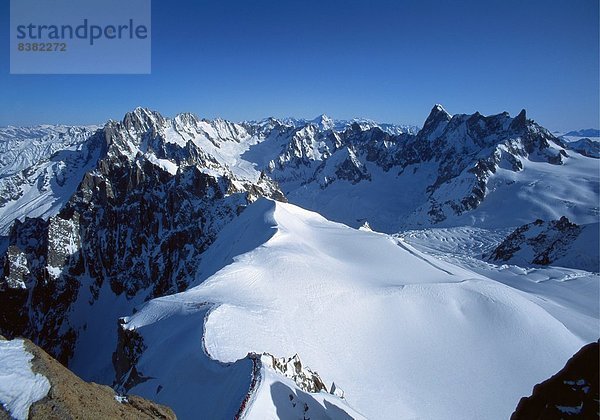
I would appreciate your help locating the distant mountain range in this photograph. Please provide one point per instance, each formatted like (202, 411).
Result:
(452, 172)
(588, 132)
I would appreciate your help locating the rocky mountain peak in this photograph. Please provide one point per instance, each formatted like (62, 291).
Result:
(324, 122)
(141, 120)
(186, 119)
(520, 121)
(438, 112)
(439, 108)
(435, 123)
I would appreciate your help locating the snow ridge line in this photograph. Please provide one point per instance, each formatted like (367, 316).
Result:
(256, 376)
(410, 251)
(255, 382)
(257, 368)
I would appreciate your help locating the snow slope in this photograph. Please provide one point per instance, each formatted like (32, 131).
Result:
(405, 335)
(19, 385)
(278, 397)
(570, 295)
(181, 375)
(41, 167)
(538, 190)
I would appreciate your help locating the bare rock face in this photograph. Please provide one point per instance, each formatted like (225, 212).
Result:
(544, 238)
(130, 347)
(292, 368)
(36, 293)
(548, 242)
(571, 393)
(71, 398)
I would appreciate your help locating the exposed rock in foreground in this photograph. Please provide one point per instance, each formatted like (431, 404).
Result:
(571, 393)
(72, 398)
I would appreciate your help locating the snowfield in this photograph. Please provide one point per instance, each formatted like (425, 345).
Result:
(570, 295)
(40, 169)
(19, 385)
(404, 334)
(279, 398)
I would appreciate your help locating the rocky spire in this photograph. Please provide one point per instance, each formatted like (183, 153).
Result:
(142, 120)
(436, 122)
(520, 121)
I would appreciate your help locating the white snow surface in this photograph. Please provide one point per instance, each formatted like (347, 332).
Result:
(570, 295)
(279, 398)
(406, 335)
(19, 385)
(40, 169)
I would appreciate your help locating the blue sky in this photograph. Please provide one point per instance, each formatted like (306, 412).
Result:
(386, 60)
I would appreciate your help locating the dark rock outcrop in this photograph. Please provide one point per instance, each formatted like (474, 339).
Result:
(570, 394)
(544, 243)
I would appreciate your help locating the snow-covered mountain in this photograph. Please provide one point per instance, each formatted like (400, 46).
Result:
(586, 142)
(40, 168)
(237, 305)
(325, 122)
(403, 334)
(458, 170)
(585, 146)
